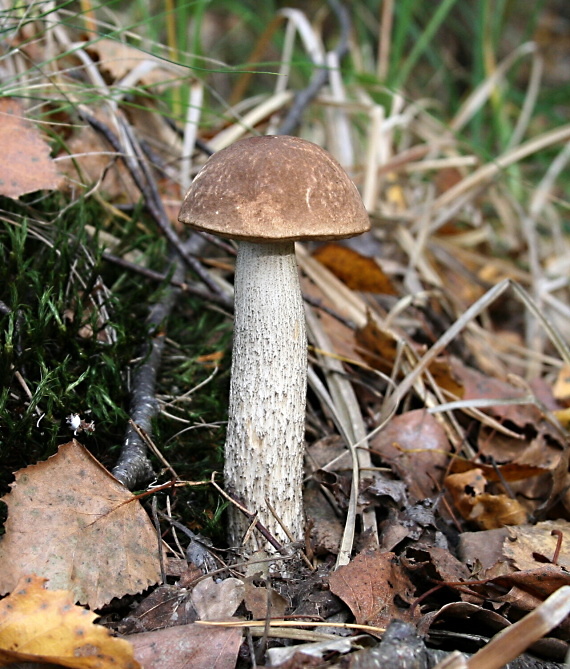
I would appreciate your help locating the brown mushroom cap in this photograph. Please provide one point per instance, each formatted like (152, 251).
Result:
(274, 188)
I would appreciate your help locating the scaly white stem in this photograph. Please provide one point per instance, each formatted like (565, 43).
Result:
(266, 424)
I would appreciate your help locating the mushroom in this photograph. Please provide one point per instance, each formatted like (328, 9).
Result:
(267, 193)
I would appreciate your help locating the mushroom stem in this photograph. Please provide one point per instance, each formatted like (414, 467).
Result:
(266, 423)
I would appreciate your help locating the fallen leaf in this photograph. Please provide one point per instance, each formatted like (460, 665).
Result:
(477, 385)
(476, 505)
(118, 59)
(188, 647)
(356, 271)
(165, 606)
(379, 348)
(375, 588)
(217, 600)
(482, 550)
(38, 625)
(73, 523)
(26, 165)
(530, 546)
(434, 560)
(416, 448)
(263, 601)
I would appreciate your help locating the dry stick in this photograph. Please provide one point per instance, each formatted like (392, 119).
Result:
(160, 277)
(256, 524)
(320, 77)
(133, 466)
(147, 186)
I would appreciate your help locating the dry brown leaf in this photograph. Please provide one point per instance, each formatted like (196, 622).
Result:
(436, 560)
(217, 600)
(373, 586)
(188, 647)
(164, 606)
(118, 59)
(377, 347)
(72, 522)
(263, 601)
(416, 447)
(478, 506)
(482, 550)
(477, 385)
(26, 165)
(509, 472)
(530, 546)
(358, 272)
(38, 625)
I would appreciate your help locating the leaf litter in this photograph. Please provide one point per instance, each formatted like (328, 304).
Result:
(437, 471)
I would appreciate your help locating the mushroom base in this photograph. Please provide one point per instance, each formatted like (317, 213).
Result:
(266, 424)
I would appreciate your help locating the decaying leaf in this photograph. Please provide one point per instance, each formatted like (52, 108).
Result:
(375, 588)
(26, 165)
(217, 600)
(72, 522)
(376, 346)
(188, 646)
(530, 546)
(38, 625)
(416, 447)
(263, 601)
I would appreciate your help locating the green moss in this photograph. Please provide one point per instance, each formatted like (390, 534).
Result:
(72, 328)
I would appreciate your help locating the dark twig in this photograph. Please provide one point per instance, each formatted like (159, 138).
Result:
(320, 77)
(156, 523)
(138, 168)
(133, 466)
(159, 277)
(265, 533)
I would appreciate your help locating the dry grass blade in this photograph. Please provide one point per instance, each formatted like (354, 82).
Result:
(513, 640)
(349, 417)
(471, 313)
(481, 177)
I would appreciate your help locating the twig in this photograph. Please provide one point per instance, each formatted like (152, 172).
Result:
(251, 516)
(133, 466)
(146, 184)
(156, 523)
(160, 277)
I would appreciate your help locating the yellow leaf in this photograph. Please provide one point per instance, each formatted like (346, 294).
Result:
(38, 625)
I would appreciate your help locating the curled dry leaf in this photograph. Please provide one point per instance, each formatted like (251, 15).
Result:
(355, 270)
(38, 625)
(72, 522)
(476, 505)
(26, 165)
